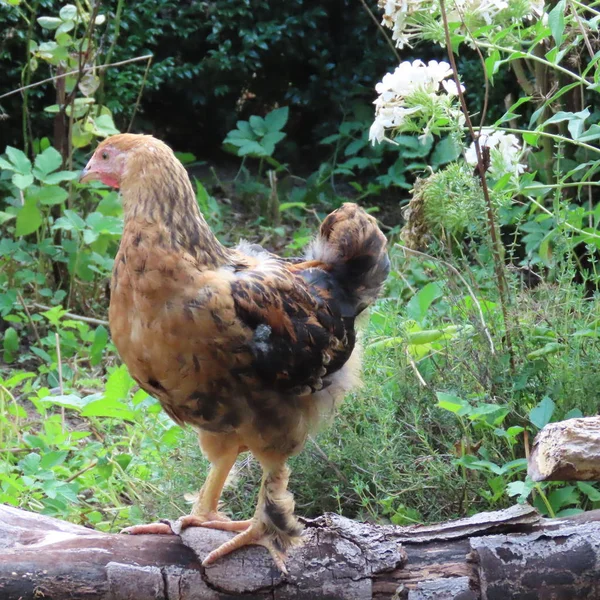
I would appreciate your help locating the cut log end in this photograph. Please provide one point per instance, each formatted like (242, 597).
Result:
(567, 451)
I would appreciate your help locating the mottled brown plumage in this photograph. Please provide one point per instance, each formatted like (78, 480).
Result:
(251, 349)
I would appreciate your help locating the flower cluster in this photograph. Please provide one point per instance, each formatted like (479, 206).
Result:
(505, 153)
(415, 91)
(411, 18)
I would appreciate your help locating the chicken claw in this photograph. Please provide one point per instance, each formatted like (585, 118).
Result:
(253, 535)
(149, 528)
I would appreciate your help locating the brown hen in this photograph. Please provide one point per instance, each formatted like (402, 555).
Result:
(251, 349)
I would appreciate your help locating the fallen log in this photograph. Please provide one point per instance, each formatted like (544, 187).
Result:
(513, 554)
(567, 451)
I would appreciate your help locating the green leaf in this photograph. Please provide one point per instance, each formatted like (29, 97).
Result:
(252, 148)
(593, 133)
(419, 304)
(563, 497)
(106, 408)
(258, 125)
(540, 415)
(4, 164)
(453, 403)
(29, 219)
(20, 161)
(51, 195)
(549, 348)
(445, 151)
(5, 217)
(11, 340)
(22, 181)
(70, 222)
(103, 126)
(52, 459)
(574, 413)
(49, 160)
(57, 177)
(118, 385)
(589, 490)
(522, 489)
(49, 23)
(277, 119)
(68, 12)
(98, 345)
(556, 21)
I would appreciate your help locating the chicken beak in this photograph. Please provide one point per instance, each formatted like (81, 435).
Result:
(87, 175)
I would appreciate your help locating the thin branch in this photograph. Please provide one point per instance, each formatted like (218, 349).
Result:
(560, 138)
(382, 30)
(464, 282)
(139, 96)
(411, 362)
(60, 378)
(496, 244)
(82, 471)
(71, 315)
(99, 68)
(35, 331)
(539, 59)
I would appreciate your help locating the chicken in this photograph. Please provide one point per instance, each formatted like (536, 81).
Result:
(250, 349)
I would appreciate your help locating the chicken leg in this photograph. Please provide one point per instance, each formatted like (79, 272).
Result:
(273, 525)
(205, 509)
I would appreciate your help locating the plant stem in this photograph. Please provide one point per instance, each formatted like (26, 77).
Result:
(539, 59)
(496, 244)
(85, 70)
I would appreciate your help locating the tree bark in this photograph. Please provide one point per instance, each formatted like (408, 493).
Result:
(512, 554)
(567, 451)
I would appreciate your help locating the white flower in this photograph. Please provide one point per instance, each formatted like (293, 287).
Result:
(450, 87)
(407, 79)
(505, 153)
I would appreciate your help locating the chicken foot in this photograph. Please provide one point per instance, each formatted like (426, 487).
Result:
(204, 510)
(273, 526)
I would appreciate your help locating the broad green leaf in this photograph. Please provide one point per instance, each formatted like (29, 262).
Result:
(68, 12)
(258, 125)
(67, 401)
(20, 161)
(49, 160)
(104, 126)
(445, 151)
(98, 345)
(593, 133)
(11, 340)
(556, 21)
(64, 28)
(57, 177)
(549, 348)
(589, 490)
(51, 195)
(52, 459)
(118, 385)
(574, 413)
(522, 489)
(419, 304)
(563, 497)
(252, 148)
(453, 403)
(29, 219)
(276, 119)
(540, 415)
(49, 23)
(4, 164)
(106, 408)
(22, 181)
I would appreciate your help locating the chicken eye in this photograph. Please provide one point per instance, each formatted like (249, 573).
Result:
(105, 156)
